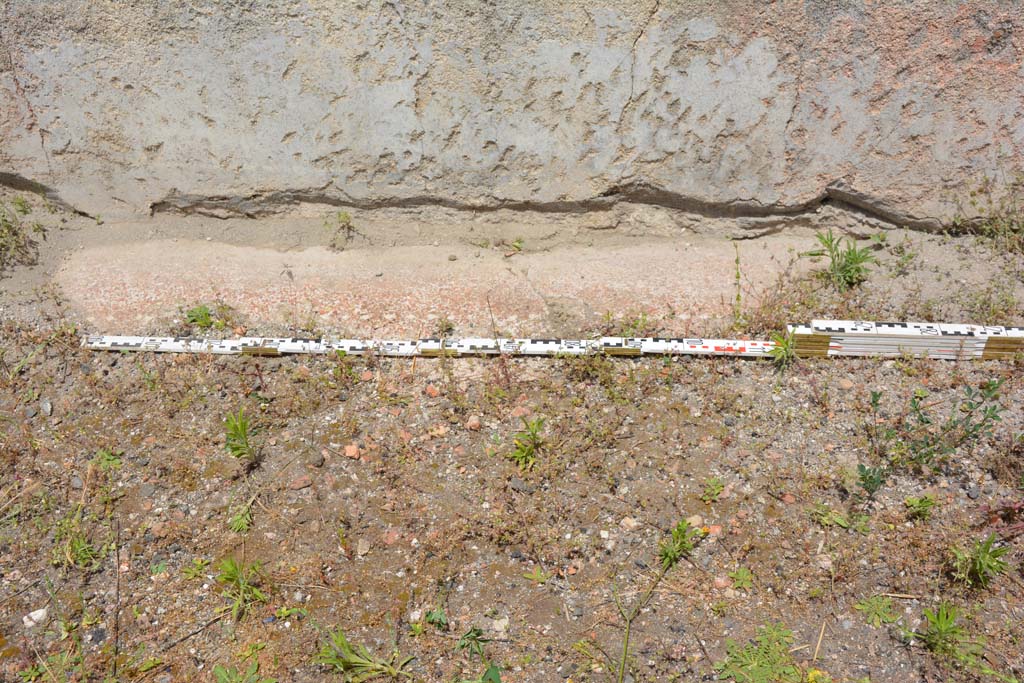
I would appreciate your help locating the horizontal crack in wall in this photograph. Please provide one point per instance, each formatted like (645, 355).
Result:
(268, 203)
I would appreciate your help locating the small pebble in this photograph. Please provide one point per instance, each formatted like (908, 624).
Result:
(453, 257)
(473, 423)
(300, 483)
(35, 618)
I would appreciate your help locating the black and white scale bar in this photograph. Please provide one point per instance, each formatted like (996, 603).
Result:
(820, 338)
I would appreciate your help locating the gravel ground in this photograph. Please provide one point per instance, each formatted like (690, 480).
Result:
(383, 502)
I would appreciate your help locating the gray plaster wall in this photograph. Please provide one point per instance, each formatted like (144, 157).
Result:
(744, 107)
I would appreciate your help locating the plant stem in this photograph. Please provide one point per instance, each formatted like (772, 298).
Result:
(628, 618)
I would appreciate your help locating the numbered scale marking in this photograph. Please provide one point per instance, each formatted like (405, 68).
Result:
(820, 338)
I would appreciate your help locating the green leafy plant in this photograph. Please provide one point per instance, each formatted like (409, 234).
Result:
(827, 517)
(340, 230)
(538, 576)
(975, 416)
(947, 639)
(979, 565)
(783, 353)
(437, 618)
(32, 673)
(196, 569)
(289, 612)
(998, 213)
(472, 640)
(944, 636)
(201, 316)
(527, 444)
(765, 660)
(240, 520)
(17, 239)
(107, 460)
(72, 544)
(847, 265)
(742, 579)
(238, 438)
(241, 584)
(877, 610)
(871, 479)
(491, 674)
(356, 663)
(713, 487)
(920, 508)
(680, 544)
(251, 674)
(21, 206)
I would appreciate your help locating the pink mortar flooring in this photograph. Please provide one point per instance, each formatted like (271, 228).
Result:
(403, 291)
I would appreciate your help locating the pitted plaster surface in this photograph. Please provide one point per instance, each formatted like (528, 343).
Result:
(906, 104)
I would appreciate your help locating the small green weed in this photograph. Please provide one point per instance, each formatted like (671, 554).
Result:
(766, 660)
(877, 610)
(491, 674)
(979, 565)
(527, 444)
(340, 230)
(783, 354)
(944, 636)
(713, 487)
(920, 508)
(922, 440)
(21, 206)
(72, 545)
(356, 663)
(240, 520)
(679, 545)
(538, 576)
(238, 438)
(847, 265)
(871, 479)
(32, 673)
(742, 579)
(827, 517)
(107, 460)
(472, 640)
(17, 242)
(200, 316)
(223, 674)
(196, 569)
(1001, 211)
(437, 618)
(948, 640)
(241, 586)
(289, 612)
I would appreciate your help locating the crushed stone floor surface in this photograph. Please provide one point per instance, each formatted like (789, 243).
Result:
(386, 493)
